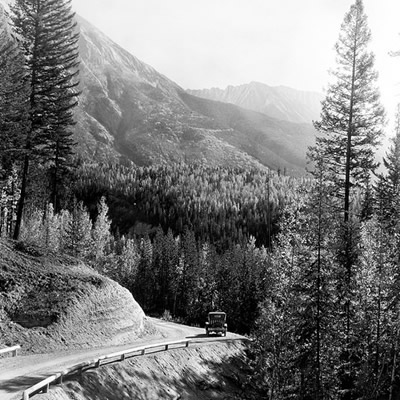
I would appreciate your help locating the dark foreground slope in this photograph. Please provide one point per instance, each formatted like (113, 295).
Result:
(51, 302)
(213, 371)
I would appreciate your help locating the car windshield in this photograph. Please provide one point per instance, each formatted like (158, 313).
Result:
(216, 316)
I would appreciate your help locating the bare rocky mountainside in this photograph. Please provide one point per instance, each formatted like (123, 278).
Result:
(277, 102)
(129, 111)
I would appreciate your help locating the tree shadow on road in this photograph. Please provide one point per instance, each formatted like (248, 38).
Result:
(199, 336)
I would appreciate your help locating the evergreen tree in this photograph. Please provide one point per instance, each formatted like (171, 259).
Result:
(14, 95)
(165, 260)
(128, 264)
(51, 228)
(65, 218)
(9, 195)
(32, 227)
(302, 298)
(388, 186)
(207, 281)
(388, 220)
(190, 275)
(349, 130)
(145, 283)
(101, 229)
(377, 316)
(352, 116)
(50, 45)
(78, 232)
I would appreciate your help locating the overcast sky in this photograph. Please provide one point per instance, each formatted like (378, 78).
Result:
(215, 43)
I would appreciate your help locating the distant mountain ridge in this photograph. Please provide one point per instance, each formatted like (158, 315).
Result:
(279, 102)
(128, 112)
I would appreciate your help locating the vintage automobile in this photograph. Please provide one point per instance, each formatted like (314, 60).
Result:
(216, 323)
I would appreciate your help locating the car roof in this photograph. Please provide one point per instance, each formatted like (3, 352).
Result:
(216, 313)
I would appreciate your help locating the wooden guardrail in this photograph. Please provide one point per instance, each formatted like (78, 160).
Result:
(43, 386)
(12, 350)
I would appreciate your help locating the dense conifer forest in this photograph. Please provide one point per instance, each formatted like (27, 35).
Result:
(220, 205)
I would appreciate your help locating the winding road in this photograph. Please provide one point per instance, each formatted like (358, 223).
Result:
(21, 372)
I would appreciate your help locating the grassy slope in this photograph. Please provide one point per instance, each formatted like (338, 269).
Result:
(50, 302)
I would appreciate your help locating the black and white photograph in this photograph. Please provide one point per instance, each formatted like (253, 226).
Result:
(199, 200)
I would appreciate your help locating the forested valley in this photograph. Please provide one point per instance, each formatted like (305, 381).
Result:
(308, 267)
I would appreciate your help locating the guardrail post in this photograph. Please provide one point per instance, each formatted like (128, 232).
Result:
(187, 343)
(122, 357)
(166, 347)
(143, 352)
(13, 350)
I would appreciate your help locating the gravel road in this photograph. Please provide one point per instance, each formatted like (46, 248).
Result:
(19, 373)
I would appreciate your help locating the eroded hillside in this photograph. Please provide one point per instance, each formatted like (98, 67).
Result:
(50, 302)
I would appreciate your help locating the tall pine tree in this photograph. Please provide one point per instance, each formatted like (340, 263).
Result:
(14, 95)
(352, 117)
(349, 130)
(48, 39)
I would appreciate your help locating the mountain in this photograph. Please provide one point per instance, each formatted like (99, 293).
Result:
(277, 102)
(128, 112)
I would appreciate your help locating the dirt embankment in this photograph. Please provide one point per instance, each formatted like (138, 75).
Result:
(215, 370)
(50, 302)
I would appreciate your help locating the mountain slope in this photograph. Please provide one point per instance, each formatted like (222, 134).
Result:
(277, 102)
(128, 110)
(130, 113)
(278, 144)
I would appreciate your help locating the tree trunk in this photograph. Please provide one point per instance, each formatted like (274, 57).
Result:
(22, 198)
(54, 194)
(350, 131)
(393, 374)
(318, 316)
